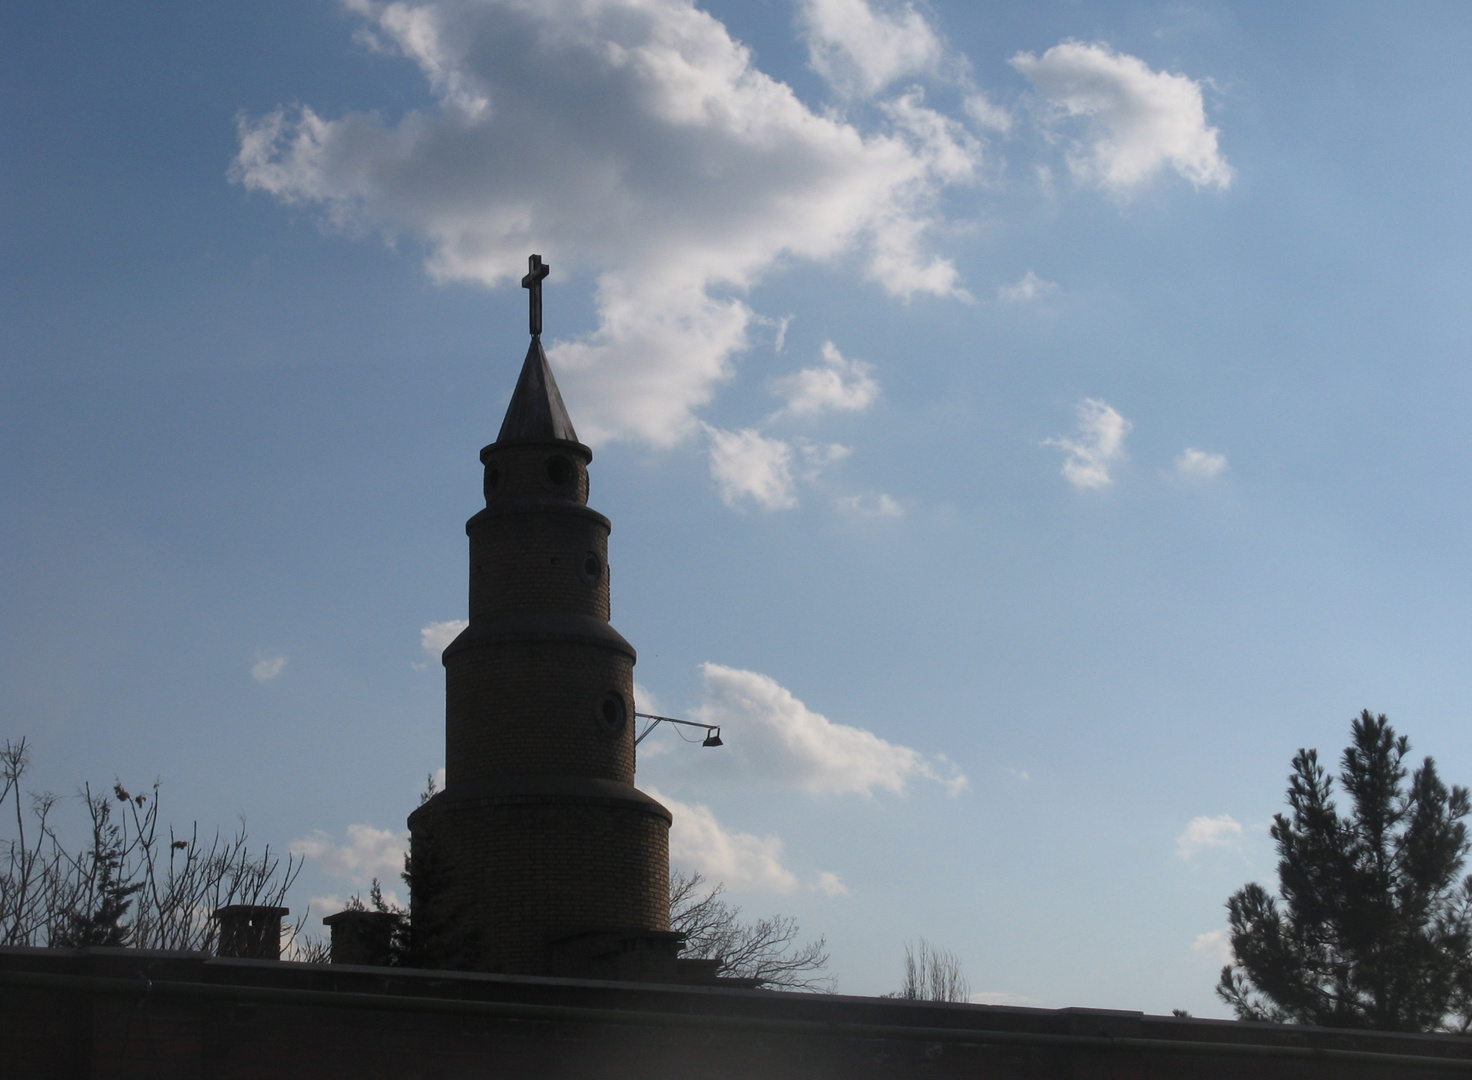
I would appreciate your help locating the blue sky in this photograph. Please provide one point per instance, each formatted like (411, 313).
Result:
(1023, 426)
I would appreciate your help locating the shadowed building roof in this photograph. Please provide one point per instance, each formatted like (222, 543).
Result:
(536, 412)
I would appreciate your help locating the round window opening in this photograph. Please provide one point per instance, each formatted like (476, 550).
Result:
(592, 566)
(559, 470)
(612, 714)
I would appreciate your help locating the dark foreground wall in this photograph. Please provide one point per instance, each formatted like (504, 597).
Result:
(128, 1013)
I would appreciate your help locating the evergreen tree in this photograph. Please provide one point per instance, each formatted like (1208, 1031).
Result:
(132, 882)
(104, 891)
(1375, 924)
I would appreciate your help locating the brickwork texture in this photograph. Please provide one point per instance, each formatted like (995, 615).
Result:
(539, 833)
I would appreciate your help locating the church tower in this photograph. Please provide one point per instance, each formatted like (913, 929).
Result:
(540, 856)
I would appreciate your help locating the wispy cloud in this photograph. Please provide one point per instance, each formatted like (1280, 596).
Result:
(839, 385)
(665, 165)
(749, 466)
(818, 457)
(646, 699)
(1096, 448)
(861, 48)
(831, 884)
(660, 159)
(434, 638)
(1215, 945)
(1027, 289)
(987, 114)
(1208, 832)
(743, 861)
(268, 668)
(873, 504)
(1199, 466)
(771, 737)
(1139, 122)
(326, 905)
(368, 853)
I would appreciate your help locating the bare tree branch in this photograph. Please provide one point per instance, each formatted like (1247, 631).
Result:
(765, 949)
(933, 974)
(125, 885)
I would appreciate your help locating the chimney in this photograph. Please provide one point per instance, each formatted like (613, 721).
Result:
(250, 931)
(362, 937)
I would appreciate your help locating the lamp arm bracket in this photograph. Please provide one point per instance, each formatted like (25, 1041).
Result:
(657, 720)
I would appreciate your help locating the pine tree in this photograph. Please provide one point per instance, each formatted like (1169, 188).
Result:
(104, 891)
(1375, 924)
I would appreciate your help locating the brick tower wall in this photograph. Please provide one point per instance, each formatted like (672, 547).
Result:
(555, 559)
(533, 707)
(525, 869)
(539, 834)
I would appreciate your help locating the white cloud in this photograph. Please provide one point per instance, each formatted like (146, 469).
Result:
(645, 699)
(1205, 832)
(840, 385)
(634, 140)
(1029, 288)
(987, 114)
(268, 668)
(1097, 448)
(326, 905)
(818, 456)
(874, 504)
(746, 464)
(780, 340)
(952, 153)
(699, 842)
(1216, 945)
(831, 884)
(1003, 997)
(1200, 466)
(369, 853)
(859, 48)
(773, 737)
(1046, 185)
(1140, 122)
(437, 635)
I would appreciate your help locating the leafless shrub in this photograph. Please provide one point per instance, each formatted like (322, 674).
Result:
(933, 974)
(305, 948)
(764, 949)
(130, 883)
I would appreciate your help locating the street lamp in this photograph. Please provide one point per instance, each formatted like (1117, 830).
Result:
(712, 731)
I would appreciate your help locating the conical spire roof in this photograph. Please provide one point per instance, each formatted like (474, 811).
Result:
(536, 412)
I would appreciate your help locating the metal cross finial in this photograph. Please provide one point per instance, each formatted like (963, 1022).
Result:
(536, 270)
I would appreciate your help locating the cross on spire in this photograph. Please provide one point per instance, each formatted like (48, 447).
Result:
(536, 271)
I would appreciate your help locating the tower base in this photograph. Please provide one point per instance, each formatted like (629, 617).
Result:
(508, 873)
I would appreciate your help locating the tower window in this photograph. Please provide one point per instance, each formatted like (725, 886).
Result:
(493, 481)
(612, 713)
(559, 470)
(592, 566)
